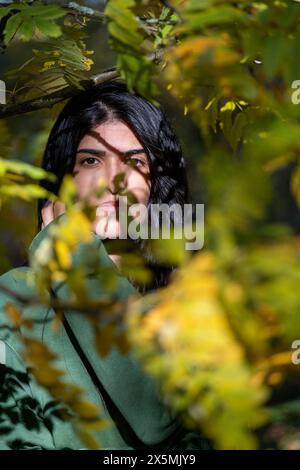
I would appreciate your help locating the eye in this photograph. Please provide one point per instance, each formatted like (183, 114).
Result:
(88, 161)
(136, 162)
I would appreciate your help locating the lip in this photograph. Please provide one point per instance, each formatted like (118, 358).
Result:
(108, 206)
(114, 203)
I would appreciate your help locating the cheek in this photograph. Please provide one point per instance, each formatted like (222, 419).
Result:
(139, 185)
(85, 181)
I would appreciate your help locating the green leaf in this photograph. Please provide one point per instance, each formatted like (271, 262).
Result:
(24, 168)
(229, 106)
(47, 12)
(226, 123)
(237, 129)
(273, 53)
(126, 37)
(11, 27)
(27, 29)
(68, 191)
(48, 27)
(30, 16)
(26, 192)
(214, 16)
(4, 11)
(212, 112)
(170, 251)
(132, 48)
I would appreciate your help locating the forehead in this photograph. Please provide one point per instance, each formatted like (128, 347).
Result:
(114, 133)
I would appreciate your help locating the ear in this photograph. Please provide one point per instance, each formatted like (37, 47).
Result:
(58, 208)
(47, 214)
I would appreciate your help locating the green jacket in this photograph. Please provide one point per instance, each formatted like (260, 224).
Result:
(116, 383)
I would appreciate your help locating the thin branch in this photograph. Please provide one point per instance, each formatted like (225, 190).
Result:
(49, 100)
(75, 9)
(154, 21)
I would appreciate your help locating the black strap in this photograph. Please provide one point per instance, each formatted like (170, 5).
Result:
(124, 428)
(121, 423)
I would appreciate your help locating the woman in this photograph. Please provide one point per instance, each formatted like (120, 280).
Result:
(161, 175)
(101, 133)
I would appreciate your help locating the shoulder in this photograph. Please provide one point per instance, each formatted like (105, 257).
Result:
(14, 288)
(15, 281)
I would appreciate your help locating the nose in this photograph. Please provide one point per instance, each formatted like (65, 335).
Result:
(113, 166)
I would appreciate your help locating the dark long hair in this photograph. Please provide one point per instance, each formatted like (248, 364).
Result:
(112, 100)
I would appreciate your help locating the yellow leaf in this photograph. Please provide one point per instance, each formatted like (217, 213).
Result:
(13, 313)
(63, 254)
(38, 349)
(89, 440)
(46, 376)
(229, 106)
(105, 339)
(122, 343)
(86, 409)
(96, 425)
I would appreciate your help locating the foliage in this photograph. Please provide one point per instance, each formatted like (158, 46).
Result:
(12, 180)
(68, 402)
(25, 21)
(132, 47)
(218, 338)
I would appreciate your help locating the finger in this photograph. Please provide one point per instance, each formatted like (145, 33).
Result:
(47, 214)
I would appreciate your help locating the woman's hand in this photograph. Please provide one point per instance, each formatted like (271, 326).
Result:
(51, 210)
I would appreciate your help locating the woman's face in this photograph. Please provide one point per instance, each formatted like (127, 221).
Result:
(108, 150)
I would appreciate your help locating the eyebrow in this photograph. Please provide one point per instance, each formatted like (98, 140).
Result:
(128, 153)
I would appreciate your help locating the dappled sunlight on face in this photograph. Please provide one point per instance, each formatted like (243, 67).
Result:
(110, 150)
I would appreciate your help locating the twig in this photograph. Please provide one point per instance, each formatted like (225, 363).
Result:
(49, 100)
(154, 21)
(75, 9)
